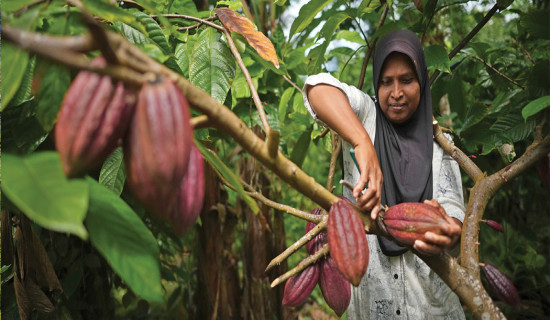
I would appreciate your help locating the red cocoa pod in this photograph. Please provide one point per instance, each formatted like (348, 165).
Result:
(494, 225)
(501, 285)
(187, 207)
(93, 117)
(409, 221)
(319, 240)
(543, 169)
(158, 145)
(299, 286)
(347, 241)
(335, 288)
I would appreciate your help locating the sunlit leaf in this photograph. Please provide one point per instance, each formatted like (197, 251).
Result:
(231, 177)
(237, 23)
(285, 100)
(37, 186)
(317, 55)
(211, 65)
(535, 106)
(306, 15)
(368, 6)
(126, 243)
(113, 173)
(14, 63)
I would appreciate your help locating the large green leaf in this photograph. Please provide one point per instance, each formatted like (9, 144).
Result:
(113, 173)
(437, 59)
(512, 126)
(306, 15)
(14, 5)
(133, 35)
(475, 114)
(21, 131)
(176, 6)
(299, 151)
(37, 186)
(24, 93)
(535, 106)
(317, 55)
(13, 67)
(211, 65)
(153, 31)
(53, 86)
(283, 103)
(125, 242)
(109, 12)
(231, 177)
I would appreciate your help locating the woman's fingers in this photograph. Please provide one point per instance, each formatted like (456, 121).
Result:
(425, 248)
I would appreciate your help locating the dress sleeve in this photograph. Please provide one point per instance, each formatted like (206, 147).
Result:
(360, 102)
(449, 189)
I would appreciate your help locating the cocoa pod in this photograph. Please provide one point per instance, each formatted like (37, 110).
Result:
(501, 285)
(187, 207)
(299, 286)
(319, 240)
(543, 169)
(158, 145)
(409, 221)
(347, 241)
(494, 225)
(335, 288)
(93, 117)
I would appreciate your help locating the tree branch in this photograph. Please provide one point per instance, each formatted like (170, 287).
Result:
(336, 148)
(498, 72)
(305, 263)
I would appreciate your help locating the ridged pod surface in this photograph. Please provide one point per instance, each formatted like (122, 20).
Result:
(409, 221)
(299, 286)
(501, 285)
(335, 288)
(157, 148)
(94, 115)
(347, 241)
(319, 240)
(187, 207)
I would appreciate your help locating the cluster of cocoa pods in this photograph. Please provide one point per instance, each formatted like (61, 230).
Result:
(164, 167)
(335, 288)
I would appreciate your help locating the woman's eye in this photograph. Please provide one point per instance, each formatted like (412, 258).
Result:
(385, 83)
(407, 80)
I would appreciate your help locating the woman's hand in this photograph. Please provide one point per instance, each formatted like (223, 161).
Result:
(436, 243)
(371, 174)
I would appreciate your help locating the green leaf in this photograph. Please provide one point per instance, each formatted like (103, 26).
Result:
(300, 148)
(536, 23)
(14, 5)
(113, 173)
(475, 114)
(535, 107)
(13, 67)
(317, 55)
(317, 58)
(352, 36)
(153, 31)
(24, 93)
(37, 186)
(109, 12)
(232, 4)
(437, 59)
(133, 35)
(368, 6)
(285, 100)
(211, 65)
(52, 90)
(306, 15)
(125, 242)
(182, 58)
(231, 177)
(21, 131)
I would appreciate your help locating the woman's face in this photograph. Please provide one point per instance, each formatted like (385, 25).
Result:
(398, 90)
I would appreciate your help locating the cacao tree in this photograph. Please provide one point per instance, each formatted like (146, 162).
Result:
(95, 245)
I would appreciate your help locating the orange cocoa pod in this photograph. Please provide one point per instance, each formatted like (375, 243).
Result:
(299, 286)
(319, 240)
(94, 116)
(501, 285)
(347, 241)
(335, 288)
(187, 207)
(409, 221)
(158, 144)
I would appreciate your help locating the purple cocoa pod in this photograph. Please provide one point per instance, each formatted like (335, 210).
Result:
(299, 286)
(319, 240)
(94, 116)
(335, 288)
(501, 285)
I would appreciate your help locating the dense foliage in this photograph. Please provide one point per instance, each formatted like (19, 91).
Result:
(114, 260)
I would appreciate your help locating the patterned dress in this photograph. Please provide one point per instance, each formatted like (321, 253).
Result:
(401, 287)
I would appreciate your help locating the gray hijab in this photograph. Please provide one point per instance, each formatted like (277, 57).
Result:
(404, 151)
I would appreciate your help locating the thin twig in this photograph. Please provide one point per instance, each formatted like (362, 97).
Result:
(298, 244)
(200, 122)
(304, 264)
(253, 91)
(292, 83)
(323, 133)
(371, 48)
(468, 37)
(186, 17)
(498, 72)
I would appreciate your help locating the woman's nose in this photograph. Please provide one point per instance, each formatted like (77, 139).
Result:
(397, 91)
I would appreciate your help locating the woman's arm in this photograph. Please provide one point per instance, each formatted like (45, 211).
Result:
(333, 108)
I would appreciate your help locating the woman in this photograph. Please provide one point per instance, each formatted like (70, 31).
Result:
(399, 160)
